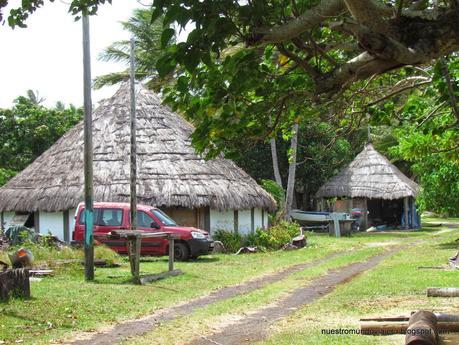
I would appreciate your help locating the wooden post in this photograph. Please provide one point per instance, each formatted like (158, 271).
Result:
(14, 282)
(412, 209)
(36, 221)
(405, 212)
(236, 221)
(137, 246)
(133, 140)
(88, 156)
(171, 253)
(443, 292)
(252, 220)
(422, 329)
(66, 226)
(350, 205)
(130, 250)
(365, 214)
(2, 221)
(262, 218)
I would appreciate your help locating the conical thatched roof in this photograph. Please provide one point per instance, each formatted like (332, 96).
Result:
(170, 173)
(372, 176)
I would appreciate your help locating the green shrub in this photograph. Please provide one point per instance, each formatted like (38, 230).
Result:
(278, 235)
(273, 238)
(231, 240)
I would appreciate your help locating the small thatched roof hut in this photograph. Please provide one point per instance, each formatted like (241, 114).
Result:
(371, 176)
(170, 173)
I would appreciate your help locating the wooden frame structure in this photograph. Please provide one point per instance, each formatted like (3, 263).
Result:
(134, 243)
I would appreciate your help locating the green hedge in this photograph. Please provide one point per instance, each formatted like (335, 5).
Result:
(271, 239)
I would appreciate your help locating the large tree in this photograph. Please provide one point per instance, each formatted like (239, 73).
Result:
(28, 129)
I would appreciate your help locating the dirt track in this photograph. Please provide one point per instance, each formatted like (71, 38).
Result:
(255, 327)
(140, 326)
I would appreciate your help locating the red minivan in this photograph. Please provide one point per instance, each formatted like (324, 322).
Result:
(110, 216)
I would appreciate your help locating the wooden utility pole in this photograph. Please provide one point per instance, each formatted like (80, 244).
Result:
(133, 193)
(88, 157)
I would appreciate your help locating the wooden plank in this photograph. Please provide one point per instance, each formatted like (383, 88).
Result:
(41, 272)
(153, 277)
(442, 292)
(383, 328)
(442, 318)
(400, 327)
(133, 233)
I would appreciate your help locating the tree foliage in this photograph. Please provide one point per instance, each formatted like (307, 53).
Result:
(28, 129)
(247, 62)
(421, 127)
(250, 69)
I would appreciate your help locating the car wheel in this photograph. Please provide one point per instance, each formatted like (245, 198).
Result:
(181, 252)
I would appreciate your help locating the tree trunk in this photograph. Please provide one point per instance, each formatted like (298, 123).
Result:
(277, 175)
(15, 283)
(291, 172)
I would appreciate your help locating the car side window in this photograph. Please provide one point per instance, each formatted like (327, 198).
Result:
(96, 213)
(110, 217)
(144, 220)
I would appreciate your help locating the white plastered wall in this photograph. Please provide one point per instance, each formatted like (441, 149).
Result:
(257, 219)
(7, 218)
(221, 220)
(244, 221)
(52, 222)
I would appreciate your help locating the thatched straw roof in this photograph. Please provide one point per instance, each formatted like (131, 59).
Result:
(170, 173)
(372, 176)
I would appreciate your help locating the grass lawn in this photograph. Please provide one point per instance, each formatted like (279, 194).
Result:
(65, 304)
(395, 287)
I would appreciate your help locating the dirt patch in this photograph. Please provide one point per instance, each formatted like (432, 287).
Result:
(256, 326)
(140, 326)
(382, 244)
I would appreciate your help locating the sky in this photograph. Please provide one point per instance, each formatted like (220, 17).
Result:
(47, 55)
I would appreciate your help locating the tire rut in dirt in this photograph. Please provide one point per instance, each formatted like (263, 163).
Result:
(140, 326)
(255, 327)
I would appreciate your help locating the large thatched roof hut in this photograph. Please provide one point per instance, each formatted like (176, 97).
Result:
(209, 194)
(373, 183)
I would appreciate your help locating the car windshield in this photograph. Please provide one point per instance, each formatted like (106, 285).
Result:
(165, 219)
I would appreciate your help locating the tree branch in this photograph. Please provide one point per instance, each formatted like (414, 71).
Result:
(301, 24)
(361, 67)
(382, 46)
(452, 96)
(395, 92)
(371, 14)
